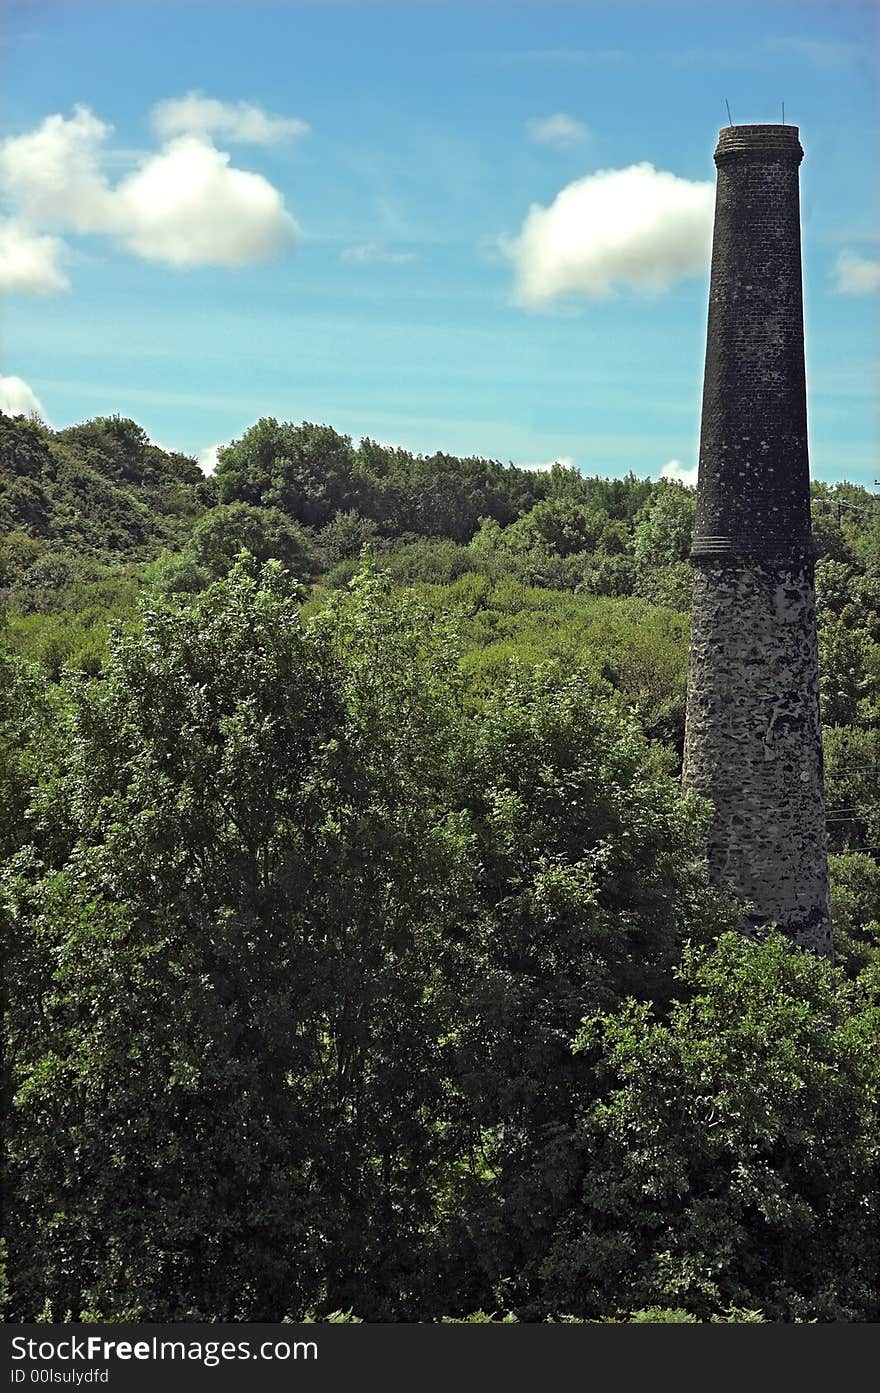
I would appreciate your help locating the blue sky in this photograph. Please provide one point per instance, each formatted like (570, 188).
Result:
(472, 227)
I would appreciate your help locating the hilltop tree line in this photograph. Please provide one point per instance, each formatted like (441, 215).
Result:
(361, 951)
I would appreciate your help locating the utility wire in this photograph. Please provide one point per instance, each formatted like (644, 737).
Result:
(826, 505)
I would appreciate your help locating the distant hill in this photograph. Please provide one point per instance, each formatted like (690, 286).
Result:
(98, 491)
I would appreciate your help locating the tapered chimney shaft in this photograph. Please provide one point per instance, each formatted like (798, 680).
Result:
(753, 739)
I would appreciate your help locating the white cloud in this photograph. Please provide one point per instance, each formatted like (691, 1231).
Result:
(540, 466)
(207, 458)
(18, 399)
(674, 469)
(638, 227)
(185, 205)
(557, 130)
(856, 275)
(54, 172)
(196, 114)
(29, 262)
(374, 253)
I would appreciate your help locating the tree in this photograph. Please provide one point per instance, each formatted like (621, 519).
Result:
(852, 788)
(662, 539)
(848, 687)
(664, 525)
(609, 575)
(266, 533)
(590, 881)
(24, 448)
(231, 962)
(26, 729)
(307, 471)
(732, 1160)
(346, 535)
(98, 489)
(562, 525)
(855, 909)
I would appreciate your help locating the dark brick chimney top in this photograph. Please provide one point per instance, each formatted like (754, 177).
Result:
(753, 494)
(758, 143)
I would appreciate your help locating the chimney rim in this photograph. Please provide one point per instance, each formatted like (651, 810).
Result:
(759, 142)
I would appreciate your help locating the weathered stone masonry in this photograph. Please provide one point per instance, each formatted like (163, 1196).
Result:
(753, 739)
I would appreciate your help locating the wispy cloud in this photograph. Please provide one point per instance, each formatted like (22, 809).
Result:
(576, 57)
(639, 227)
(852, 233)
(374, 254)
(707, 56)
(856, 275)
(818, 53)
(558, 129)
(831, 55)
(240, 122)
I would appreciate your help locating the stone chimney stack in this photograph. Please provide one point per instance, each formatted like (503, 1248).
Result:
(753, 741)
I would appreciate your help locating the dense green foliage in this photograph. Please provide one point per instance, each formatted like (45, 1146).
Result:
(361, 955)
(736, 1147)
(92, 492)
(312, 473)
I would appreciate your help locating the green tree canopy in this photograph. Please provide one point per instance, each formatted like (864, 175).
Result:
(301, 939)
(664, 526)
(224, 531)
(306, 471)
(735, 1153)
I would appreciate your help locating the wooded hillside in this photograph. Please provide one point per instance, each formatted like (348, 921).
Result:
(361, 953)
